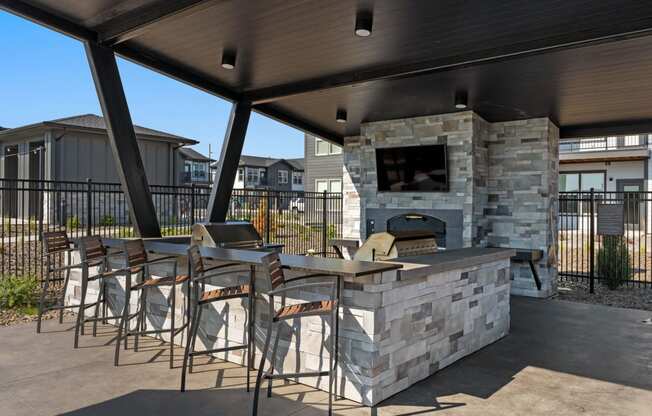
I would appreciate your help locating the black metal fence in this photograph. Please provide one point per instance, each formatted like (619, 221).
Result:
(584, 253)
(303, 221)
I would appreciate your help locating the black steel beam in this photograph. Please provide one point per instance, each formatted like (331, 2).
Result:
(122, 139)
(138, 21)
(227, 166)
(47, 19)
(606, 129)
(492, 55)
(300, 124)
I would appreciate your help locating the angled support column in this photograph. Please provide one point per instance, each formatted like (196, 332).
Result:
(123, 139)
(227, 167)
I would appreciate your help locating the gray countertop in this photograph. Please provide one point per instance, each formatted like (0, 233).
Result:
(339, 267)
(447, 260)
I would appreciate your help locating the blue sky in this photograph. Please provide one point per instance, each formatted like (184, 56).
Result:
(44, 75)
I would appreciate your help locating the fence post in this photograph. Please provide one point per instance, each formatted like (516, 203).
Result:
(591, 242)
(192, 204)
(268, 212)
(41, 201)
(89, 207)
(324, 231)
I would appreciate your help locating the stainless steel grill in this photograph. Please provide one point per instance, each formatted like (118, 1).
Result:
(391, 245)
(241, 235)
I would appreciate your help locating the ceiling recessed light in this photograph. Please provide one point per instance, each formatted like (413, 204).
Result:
(340, 117)
(228, 59)
(363, 24)
(461, 100)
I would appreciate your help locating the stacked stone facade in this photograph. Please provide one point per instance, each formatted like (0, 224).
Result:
(394, 330)
(502, 176)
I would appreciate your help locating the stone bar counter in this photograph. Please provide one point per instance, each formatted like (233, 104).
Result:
(400, 321)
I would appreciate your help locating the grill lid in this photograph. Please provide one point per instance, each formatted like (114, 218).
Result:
(226, 234)
(390, 245)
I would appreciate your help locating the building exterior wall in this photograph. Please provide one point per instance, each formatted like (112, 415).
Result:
(319, 167)
(503, 183)
(81, 155)
(616, 170)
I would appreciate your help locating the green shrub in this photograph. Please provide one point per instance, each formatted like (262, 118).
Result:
(107, 220)
(72, 223)
(613, 261)
(17, 291)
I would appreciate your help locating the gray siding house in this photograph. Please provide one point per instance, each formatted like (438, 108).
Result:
(255, 172)
(323, 165)
(77, 148)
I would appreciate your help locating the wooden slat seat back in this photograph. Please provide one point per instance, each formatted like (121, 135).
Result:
(135, 253)
(196, 261)
(55, 242)
(92, 249)
(274, 269)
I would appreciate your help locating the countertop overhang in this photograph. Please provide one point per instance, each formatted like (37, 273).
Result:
(447, 260)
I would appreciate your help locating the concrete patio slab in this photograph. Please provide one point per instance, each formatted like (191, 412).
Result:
(560, 358)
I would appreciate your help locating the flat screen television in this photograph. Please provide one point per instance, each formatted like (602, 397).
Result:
(412, 169)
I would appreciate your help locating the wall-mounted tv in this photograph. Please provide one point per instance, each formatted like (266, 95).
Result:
(412, 169)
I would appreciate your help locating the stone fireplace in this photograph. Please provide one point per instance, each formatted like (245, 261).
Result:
(502, 185)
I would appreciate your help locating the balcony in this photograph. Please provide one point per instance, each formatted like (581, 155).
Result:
(603, 149)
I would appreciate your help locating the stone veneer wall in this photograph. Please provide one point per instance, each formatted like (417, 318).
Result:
(522, 195)
(502, 175)
(360, 185)
(394, 332)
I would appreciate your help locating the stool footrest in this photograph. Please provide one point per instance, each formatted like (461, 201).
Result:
(297, 375)
(237, 347)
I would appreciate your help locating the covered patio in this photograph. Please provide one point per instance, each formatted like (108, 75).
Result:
(485, 89)
(560, 358)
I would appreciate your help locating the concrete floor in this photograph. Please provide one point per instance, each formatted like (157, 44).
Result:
(561, 358)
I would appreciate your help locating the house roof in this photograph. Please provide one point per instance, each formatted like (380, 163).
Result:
(265, 162)
(192, 154)
(95, 122)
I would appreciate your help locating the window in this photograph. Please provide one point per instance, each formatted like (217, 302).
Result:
(240, 174)
(282, 176)
(253, 177)
(297, 178)
(324, 148)
(195, 171)
(262, 173)
(336, 185)
(579, 182)
(328, 185)
(321, 185)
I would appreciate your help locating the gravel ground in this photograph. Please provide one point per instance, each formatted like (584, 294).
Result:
(16, 316)
(623, 297)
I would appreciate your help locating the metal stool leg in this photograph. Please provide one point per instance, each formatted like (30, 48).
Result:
(199, 312)
(139, 321)
(44, 291)
(65, 288)
(82, 303)
(272, 360)
(251, 342)
(190, 344)
(261, 368)
(173, 303)
(331, 359)
(123, 327)
(99, 301)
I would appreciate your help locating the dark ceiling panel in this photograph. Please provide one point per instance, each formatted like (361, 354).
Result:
(281, 41)
(608, 83)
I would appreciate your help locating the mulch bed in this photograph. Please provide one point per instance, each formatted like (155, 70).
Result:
(17, 316)
(623, 297)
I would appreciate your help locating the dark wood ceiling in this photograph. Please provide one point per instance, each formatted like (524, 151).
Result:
(582, 63)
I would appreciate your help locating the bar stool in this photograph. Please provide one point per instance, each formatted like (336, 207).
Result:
(93, 253)
(201, 297)
(137, 263)
(56, 248)
(279, 286)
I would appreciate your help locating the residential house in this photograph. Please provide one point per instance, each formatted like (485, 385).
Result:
(76, 149)
(196, 167)
(255, 172)
(606, 164)
(323, 164)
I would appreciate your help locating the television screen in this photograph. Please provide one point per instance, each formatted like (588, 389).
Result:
(414, 168)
